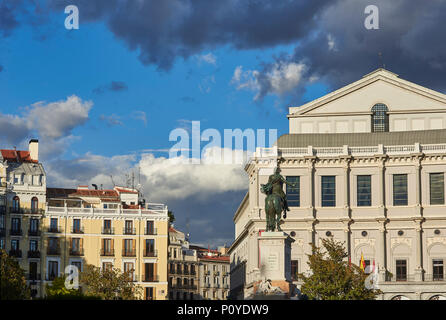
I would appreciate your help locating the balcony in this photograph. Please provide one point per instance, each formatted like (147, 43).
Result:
(108, 230)
(17, 253)
(226, 286)
(216, 273)
(108, 253)
(34, 254)
(129, 253)
(150, 278)
(77, 230)
(150, 231)
(15, 232)
(76, 252)
(53, 251)
(129, 231)
(434, 277)
(150, 253)
(33, 277)
(53, 229)
(207, 272)
(33, 233)
(51, 277)
(13, 210)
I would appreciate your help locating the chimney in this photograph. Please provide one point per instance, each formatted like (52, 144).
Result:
(34, 149)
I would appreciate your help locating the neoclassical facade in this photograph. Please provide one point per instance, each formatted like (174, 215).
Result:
(369, 161)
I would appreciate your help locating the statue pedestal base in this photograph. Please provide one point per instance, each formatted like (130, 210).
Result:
(275, 266)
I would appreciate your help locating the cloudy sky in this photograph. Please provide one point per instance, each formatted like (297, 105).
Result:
(103, 99)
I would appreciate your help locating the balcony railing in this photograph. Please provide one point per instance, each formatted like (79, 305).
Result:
(150, 231)
(130, 231)
(150, 253)
(53, 251)
(150, 278)
(400, 278)
(108, 230)
(216, 273)
(151, 208)
(108, 253)
(15, 232)
(129, 253)
(33, 254)
(26, 210)
(434, 277)
(76, 252)
(33, 233)
(77, 229)
(17, 253)
(33, 277)
(53, 229)
(51, 277)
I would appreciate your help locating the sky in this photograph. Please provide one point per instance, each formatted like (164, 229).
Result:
(103, 99)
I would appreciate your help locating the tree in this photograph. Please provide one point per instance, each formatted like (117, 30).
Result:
(171, 217)
(58, 291)
(333, 278)
(12, 279)
(109, 284)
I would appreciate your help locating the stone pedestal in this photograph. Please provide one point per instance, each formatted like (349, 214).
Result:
(274, 266)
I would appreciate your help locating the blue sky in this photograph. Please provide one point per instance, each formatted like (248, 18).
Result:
(103, 99)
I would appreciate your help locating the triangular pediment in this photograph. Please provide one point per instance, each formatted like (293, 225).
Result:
(380, 86)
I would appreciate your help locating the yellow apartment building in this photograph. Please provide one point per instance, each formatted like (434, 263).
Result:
(47, 229)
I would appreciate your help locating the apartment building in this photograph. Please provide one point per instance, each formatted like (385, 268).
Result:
(369, 161)
(214, 277)
(183, 268)
(47, 229)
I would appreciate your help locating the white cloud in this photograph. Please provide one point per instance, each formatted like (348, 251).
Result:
(279, 78)
(56, 119)
(207, 58)
(331, 43)
(140, 115)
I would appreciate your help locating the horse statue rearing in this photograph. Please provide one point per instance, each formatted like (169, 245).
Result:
(275, 201)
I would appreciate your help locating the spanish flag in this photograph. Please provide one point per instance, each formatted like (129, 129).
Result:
(362, 263)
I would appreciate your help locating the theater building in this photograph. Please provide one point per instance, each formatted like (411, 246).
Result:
(369, 160)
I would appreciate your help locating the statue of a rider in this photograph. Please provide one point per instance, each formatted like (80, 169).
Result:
(275, 185)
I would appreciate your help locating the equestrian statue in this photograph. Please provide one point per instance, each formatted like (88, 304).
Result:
(275, 201)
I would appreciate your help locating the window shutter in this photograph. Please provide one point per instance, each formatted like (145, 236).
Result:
(123, 246)
(134, 245)
(81, 244)
(154, 271)
(112, 244)
(69, 242)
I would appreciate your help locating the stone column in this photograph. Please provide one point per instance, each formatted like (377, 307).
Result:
(418, 262)
(382, 253)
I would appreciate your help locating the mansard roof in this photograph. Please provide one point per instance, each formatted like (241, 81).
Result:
(362, 139)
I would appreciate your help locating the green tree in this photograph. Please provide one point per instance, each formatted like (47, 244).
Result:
(109, 284)
(12, 279)
(171, 217)
(58, 291)
(333, 278)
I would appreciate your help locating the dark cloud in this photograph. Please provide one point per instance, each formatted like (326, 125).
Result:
(162, 31)
(341, 50)
(114, 86)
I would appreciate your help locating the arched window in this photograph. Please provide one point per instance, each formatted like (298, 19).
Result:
(16, 204)
(34, 205)
(380, 118)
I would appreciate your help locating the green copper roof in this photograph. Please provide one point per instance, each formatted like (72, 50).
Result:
(362, 139)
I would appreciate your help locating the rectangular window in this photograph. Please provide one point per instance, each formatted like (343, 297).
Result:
(33, 245)
(400, 189)
(293, 193)
(129, 268)
(77, 264)
(149, 228)
(438, 270)
(15, 245)
(150, 247)
(107, 266)
(34, 225)
(15, 224)
(53, 224)
(328, 191)
(53, 270)
(436, 186)
(76, 225)
(149, 271)
(401, 270)
(364, 190)
(294, 270)
(128, 227)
